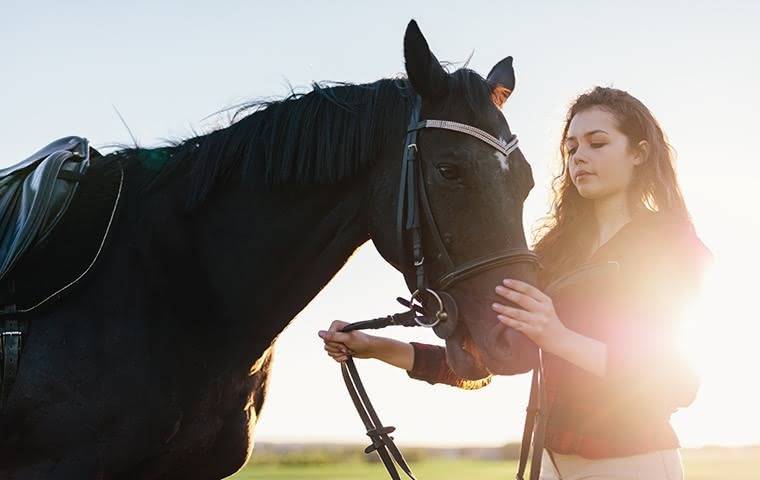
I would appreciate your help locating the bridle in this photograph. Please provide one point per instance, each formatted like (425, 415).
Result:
(413, 195)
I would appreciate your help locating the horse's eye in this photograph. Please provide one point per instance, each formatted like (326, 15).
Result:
(449, 172)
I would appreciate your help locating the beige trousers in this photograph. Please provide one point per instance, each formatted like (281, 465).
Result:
(657, 465)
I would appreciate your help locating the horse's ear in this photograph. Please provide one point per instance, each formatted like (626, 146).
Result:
(501, 78)
(425, 73)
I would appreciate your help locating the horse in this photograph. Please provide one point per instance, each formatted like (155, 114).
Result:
(156, 365)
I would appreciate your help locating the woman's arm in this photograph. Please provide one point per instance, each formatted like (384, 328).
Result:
(393, 352)
(430, 365)
(421, 361)
(584, 352)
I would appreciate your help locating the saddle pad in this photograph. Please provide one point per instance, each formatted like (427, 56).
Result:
(67, 251)
(35, 193)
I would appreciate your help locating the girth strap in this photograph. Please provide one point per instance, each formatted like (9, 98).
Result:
(10, 353)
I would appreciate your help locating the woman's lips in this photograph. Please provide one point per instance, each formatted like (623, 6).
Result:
(582, 175)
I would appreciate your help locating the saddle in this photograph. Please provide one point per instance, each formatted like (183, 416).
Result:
(35, 193)
(56, 210)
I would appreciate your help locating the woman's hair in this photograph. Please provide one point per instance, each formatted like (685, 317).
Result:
(566, 234)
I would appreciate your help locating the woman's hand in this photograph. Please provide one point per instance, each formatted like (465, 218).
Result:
(340, 345)
(537, 318)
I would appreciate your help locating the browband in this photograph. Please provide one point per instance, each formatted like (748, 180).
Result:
(504, 147)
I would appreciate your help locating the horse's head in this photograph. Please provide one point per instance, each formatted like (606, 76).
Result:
(475, 196)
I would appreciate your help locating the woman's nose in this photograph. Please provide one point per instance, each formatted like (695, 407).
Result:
(579, 158)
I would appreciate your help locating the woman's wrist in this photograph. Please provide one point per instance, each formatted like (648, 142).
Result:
(564, 344)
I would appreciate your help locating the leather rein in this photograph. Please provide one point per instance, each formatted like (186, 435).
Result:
(412, 195)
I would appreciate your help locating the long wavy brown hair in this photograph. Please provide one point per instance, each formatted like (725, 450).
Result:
(566, 235)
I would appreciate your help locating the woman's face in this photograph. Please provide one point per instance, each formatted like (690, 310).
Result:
(600, 161)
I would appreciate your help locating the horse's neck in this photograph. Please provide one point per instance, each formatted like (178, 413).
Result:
(268, 254)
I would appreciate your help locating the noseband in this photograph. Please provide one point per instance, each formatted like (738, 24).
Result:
(443, 321)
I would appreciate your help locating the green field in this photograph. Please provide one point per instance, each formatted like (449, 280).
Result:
(709, 464)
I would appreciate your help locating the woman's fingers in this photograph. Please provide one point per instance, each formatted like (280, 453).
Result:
(525, 288)
(335, 341)
(514, 313)
(339, 357)
(525, 301)
(511, 322)
(337, 325)
(333, 335)
(338, 350)
(338, 347)
(338, 337)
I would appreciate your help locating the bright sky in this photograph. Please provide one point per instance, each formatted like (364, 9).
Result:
(166, 68)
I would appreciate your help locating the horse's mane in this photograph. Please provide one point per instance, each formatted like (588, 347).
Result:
(321, 137)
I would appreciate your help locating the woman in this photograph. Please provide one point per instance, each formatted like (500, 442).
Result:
(620, 259)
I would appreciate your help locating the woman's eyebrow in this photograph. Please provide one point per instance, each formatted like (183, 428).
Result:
(588, 134)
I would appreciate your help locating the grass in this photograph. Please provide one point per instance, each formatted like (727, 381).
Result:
(437, 469)
(704, 464)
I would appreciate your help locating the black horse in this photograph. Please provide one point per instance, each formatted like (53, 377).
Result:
(156, 365)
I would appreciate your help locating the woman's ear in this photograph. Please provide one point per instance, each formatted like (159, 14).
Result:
(642, 153)
(501, 78)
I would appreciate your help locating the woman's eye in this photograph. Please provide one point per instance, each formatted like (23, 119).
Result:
(597, 145)
(572, 150)
(449, 172)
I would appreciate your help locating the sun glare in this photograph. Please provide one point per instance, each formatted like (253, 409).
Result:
(717, 336)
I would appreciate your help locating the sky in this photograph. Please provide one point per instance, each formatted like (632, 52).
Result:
(168, 67)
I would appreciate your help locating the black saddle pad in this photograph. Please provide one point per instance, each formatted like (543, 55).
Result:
(72, 245)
